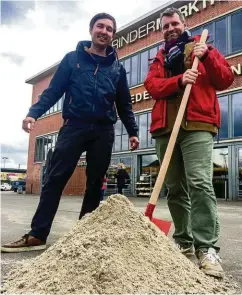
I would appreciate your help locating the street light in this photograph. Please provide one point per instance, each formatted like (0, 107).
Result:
(4, 160)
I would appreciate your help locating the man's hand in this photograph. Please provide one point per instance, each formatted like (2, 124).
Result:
(134, 143)
(200, 49)
(189, 77)
(28, 124)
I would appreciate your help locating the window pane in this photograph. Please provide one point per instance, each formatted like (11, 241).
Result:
(117, 144)
(144, 66)
(134, 70)
(197, 31)
(210, 28)
(55, 107)
(127, 65)
(59, 104)
(236, 29)
(223, 101)
(143, 130)
(42, 149)
(37, 146)
(221, 36)
(51, 109)
(118, 128)
(237, 111)
(125, 142)
(45, 140)
(151, 141)
(152, 54)
(53, 141)
(124, 131)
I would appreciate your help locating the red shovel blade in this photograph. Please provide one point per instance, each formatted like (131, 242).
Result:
(162, 224)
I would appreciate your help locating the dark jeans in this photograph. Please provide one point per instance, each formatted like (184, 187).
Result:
(102, 194)
(120, 189)
(71, 143)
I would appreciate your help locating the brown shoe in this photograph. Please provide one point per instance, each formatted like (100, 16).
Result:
(26, 243)
(210, 263)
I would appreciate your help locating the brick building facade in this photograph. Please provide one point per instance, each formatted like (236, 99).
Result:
(136, 43)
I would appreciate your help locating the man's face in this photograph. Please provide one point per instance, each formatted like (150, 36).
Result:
(102, 33)
(172, 27)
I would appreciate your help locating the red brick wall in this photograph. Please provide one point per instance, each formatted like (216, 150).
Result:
(76, 184)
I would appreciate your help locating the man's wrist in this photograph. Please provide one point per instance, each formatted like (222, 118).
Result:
(204, 56)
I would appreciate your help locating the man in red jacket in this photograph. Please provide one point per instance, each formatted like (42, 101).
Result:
(191, 199)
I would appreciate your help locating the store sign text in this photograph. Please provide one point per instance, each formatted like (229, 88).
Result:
(237, 70)
(153, 26)
(138, 97)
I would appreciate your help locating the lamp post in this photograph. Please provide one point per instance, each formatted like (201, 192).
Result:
(4, 160)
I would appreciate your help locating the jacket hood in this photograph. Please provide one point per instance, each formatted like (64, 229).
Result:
(82, 45)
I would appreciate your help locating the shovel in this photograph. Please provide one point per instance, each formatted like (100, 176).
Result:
(163, 224)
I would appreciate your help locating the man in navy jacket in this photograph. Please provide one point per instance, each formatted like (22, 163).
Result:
(95, 85)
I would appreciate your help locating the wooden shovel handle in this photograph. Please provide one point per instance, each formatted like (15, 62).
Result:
(169, 150)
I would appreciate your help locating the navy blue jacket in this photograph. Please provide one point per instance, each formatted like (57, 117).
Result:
(91, 91)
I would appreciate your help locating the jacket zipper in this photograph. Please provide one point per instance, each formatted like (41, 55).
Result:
(95, 86)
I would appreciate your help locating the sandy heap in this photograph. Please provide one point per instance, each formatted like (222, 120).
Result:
(114, 250)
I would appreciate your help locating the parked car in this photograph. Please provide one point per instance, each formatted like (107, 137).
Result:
(16, 184)
(5, 187)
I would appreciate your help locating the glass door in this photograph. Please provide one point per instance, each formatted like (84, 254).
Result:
(112, 170)
(239, 172)
(220, 172)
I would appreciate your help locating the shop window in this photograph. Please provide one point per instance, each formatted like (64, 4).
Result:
(152, 54)
(134, 70)
(223, 102)
(237, 111)
(220, 172)
(42, 146)
(127, 68)
(210, 28)
(197, 31)
(149, 167)
(236, 27)
(143, 131)
(144, 57)
(151, 141)
(221, 36)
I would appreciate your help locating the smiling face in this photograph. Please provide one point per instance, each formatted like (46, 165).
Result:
(102, 33)
(172, 27)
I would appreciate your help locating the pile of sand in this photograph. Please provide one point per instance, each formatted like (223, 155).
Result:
(113, 250)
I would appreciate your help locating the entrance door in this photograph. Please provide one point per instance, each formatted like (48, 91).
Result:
(239, 171)
(112, 170)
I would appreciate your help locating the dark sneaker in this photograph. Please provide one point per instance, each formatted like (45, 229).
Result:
(26, 243)
(189, 252)
(210, 263)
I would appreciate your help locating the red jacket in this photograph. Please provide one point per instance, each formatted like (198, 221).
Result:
(203, 105)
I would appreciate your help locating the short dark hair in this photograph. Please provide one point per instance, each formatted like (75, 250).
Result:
(171, 11)
(103, 15)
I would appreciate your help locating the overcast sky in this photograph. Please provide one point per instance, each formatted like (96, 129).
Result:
(35, 35)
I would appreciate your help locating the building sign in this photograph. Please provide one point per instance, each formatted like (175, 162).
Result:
(237, 70)
(138, 97)
(153, 26)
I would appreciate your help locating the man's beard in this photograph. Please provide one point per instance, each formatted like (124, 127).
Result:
(101, 45)
(174, 35)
